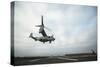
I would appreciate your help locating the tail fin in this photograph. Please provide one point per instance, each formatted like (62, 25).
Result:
(31, 36)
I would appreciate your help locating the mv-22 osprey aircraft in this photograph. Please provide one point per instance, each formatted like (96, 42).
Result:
(45, 37)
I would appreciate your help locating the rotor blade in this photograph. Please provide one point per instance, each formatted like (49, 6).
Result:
(47, 28)
(42, 21)
(38, 25)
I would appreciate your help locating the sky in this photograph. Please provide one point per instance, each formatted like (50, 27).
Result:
(73, 26)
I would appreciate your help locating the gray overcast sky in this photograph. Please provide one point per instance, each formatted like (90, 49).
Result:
(73, 26)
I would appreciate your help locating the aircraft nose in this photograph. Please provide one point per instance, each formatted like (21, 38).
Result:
(53, 38)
